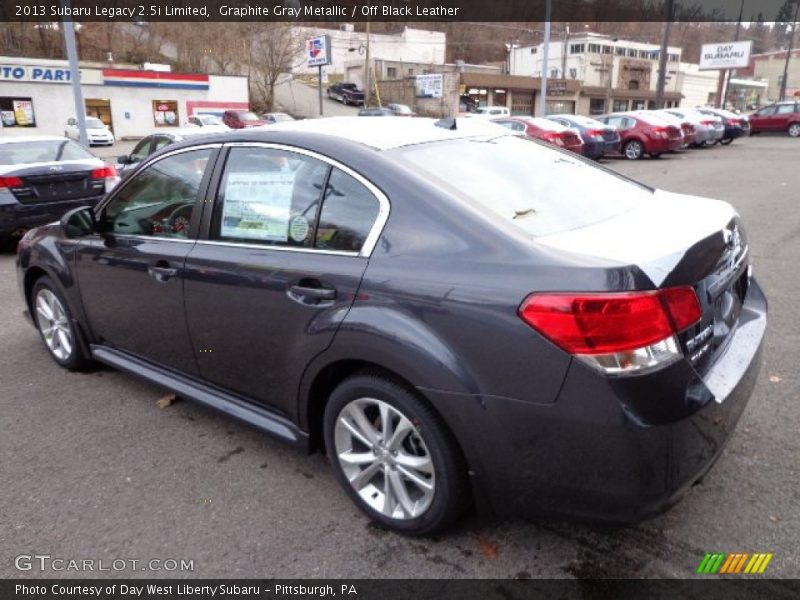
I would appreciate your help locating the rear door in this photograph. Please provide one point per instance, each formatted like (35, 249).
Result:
(279, 268)
(131, 275)
(783, 116)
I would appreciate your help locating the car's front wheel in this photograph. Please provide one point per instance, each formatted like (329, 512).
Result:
(634, 150)
(794, 130)
(394, 456)
(55, 325)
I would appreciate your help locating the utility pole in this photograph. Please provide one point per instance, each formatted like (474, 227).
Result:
(662, 56)
(367, 88)
(564, 52)
(735, 39)
(609, 80)
(75, 74)
(789, 51)
(542, 111)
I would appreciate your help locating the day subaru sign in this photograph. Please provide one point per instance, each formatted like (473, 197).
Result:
(728, 55)
(318, 51)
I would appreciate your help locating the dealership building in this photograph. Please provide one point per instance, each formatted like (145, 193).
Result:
(36, 96)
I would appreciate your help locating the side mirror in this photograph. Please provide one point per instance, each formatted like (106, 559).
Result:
(78, 222)
(125, 159)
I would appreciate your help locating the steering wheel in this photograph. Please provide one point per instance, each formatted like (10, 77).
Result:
(178, 220)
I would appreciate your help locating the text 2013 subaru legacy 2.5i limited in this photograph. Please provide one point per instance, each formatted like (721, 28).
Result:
(451, 311)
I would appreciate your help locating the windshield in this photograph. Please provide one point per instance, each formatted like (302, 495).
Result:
(93, 123)
(41, 151)
(248, 116)
(209, 120)
(539, 189)
(279, 117)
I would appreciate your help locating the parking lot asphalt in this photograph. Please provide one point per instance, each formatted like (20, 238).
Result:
(92, 468)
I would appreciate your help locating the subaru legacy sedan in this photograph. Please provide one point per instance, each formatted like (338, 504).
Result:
(457, 315)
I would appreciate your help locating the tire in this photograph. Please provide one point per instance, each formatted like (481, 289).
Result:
(425, 498)
(51, 314)
(726, 141)
(633, 150)
(794, 130)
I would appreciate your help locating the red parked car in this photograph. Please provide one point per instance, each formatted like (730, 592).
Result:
(545, 130)
(240, 119)
(644, 134)
(783, 116)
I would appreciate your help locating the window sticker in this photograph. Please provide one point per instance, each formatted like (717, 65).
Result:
(257, 206)
(299, 229)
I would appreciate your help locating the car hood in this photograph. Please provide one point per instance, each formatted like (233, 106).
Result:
(674, 239)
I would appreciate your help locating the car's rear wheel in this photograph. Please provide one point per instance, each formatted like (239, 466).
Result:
(726, 141)
(634, 150)
(394, 456)
(794, 130)
(55, 325)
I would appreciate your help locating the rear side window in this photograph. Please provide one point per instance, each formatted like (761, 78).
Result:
(348, 212)
(540, 190)
(785, 109)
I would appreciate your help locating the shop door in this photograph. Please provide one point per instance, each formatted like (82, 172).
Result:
(100, 108)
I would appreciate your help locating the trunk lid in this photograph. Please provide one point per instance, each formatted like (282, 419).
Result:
(678, 240)
(56, 182)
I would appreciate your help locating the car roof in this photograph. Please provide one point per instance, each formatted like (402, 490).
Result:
(383, 134)
(32, 138)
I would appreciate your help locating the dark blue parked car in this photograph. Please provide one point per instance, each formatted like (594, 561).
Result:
(598, 138)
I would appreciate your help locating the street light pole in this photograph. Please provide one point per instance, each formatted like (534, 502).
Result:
(75, 74)
(789, 51)
(543, 104)
(662, 57)
(367, 88)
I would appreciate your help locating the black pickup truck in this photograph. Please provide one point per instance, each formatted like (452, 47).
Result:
(346, 93)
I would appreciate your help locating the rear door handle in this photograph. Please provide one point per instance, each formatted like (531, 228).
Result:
(161, 271)
(313, 293)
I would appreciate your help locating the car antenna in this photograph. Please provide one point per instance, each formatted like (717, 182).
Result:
(447, 123)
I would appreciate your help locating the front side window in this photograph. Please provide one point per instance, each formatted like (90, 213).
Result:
(540, 190)
(159, 201)
(142, 150)
(269, 197)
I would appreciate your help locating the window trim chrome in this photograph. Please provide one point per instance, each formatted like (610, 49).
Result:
(384, 206)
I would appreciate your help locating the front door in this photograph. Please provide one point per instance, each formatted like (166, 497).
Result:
(131, 273)
(266, 292)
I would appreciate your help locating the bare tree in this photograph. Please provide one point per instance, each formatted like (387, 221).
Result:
(274, 51)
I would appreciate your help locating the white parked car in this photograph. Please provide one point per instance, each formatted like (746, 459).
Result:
(209, 123)
(491, 112)
(98, 132)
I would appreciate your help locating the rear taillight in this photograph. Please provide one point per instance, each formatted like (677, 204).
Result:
(554, 138)
(659, 132)
(598, 133)
(10, 182)
(708, 122)
(104, 172)
(615, 332)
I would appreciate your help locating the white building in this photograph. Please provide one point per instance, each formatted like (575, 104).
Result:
(36, 96)
(348, 50)
(623, 70)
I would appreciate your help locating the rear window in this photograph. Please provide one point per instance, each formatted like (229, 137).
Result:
(41, 151)
(248, 116)
(540, 190)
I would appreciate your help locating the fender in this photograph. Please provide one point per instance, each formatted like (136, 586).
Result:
(397, 341)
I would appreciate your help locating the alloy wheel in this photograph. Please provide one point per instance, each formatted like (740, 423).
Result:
(794, 130)
(53, 324)
(633, 150)
(384, 458)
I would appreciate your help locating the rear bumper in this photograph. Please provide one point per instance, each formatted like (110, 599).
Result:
(617, 450)
(15, 217)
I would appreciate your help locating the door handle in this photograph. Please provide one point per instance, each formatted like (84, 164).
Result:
(314, 293)
(161, 271)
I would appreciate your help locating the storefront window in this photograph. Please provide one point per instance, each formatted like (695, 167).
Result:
(560, 107)
(165, 113)
(620, 105)
(17, 112)
(500, 97)
(479, 96)
(638, 105)
(597, 106)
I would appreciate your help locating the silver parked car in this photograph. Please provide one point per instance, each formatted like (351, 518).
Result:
(708, 129)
